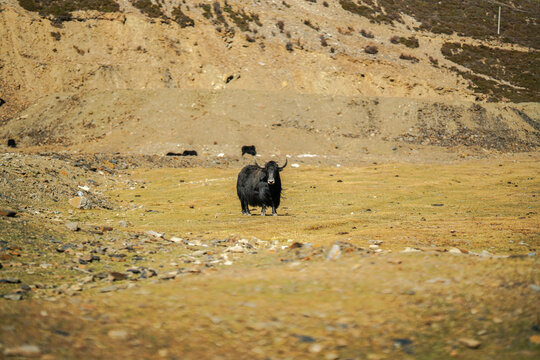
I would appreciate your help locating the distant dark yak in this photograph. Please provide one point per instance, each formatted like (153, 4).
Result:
(185, 153)
(249, 149)
(260, 186)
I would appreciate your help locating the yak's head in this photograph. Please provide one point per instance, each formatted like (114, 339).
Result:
(270, 171)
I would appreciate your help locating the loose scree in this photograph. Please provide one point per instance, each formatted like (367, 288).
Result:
(260, 186)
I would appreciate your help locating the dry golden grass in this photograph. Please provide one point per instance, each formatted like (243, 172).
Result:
(486, 205)
(277, 305)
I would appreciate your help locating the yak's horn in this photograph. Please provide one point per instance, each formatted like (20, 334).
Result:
(283, 167)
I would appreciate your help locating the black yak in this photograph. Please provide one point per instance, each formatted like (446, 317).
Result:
(185, 153)
(260, 186)
(249, 149)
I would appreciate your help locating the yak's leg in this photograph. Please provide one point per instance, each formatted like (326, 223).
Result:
(246, 209)
(263, 211)
(274, 210)
(243, 207)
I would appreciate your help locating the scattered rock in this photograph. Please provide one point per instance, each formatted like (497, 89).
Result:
(315, 348)
(124, 223)
(154, 234)
(334, 253)
(73, 226)
(7, 213)
(108, 289)
(470, 343)
(402, 342)
(117, 276)
(23, 350)
(85, 259)
(304, 338)
(118, 334)
(534, 287)
(454, 251)
(15, 296)
(10, 281)
(410, 249)
(177, 240)
(167, 276)
(331, 356)
(236, 249)
(79, 202)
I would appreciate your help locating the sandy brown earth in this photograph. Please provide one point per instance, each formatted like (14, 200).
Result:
(408, 227)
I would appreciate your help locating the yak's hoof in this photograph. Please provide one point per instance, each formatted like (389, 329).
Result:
(274, 214)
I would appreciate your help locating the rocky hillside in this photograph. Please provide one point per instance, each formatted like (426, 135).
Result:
(95, 51)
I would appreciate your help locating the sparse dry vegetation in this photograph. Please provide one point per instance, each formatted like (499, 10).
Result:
(409, 58)
(410, 42)
(56, 35)
(371, 49)
(515, 67)
(367, 34)
(148, 8)
(182, 19)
